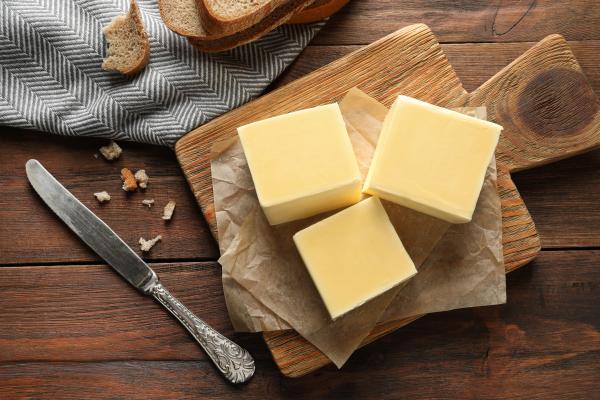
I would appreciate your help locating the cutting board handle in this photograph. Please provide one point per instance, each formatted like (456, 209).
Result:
(547, 107)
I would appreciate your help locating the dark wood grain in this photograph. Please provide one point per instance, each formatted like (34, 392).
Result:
(544, 343)
(82, 313)
(474, 63)
(545, 104)
(363, 21)
(564, 200)
(31, 233)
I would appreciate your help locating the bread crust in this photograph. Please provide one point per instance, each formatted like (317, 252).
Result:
(272, 21)
(134, 13)
(129, 182)
(220, 24)
(319, 10)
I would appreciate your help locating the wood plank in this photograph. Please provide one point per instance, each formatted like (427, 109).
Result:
(86, 313)
(564, 200)
(363, 21)
(131, 380)
(474, 63)
(475, 375)
(82, 313)
(543, 344)
(31, 233)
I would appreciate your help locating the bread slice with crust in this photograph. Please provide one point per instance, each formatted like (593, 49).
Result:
(230, 16)
(277, 17)
(183, 18)
(128, 46)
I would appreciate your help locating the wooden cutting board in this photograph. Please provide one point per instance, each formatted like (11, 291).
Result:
(543, 100)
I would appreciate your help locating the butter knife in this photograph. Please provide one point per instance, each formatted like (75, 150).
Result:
(233, 361)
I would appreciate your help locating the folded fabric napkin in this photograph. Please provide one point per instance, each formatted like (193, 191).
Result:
(51, 80)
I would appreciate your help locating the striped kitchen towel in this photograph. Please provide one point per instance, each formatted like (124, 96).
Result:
(51, 80)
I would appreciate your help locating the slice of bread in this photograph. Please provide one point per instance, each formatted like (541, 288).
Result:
(317, 11)
(231, 16)
(128, 46)
(183, 18)
(279, 16)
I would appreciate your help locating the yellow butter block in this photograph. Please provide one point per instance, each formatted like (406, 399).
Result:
(432, 159)
(354, 256)
(302, 163)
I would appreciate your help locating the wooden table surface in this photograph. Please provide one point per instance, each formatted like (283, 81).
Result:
(71, 328)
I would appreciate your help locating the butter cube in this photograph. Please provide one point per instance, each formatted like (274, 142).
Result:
(354, 256)
(302, 163)
(432, 159)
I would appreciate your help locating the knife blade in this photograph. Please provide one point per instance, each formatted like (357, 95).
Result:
(91, 229)
(233, 361)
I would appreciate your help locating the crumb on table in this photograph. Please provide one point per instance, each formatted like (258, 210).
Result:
(168, 210)
(111, 151)
(102, 196)
(141, 178)
(146, 245)
(129, 182)
(148, 202)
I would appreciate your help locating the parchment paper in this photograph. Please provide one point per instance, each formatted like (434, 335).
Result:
(466, 268)
(267, 286)
(234, 199)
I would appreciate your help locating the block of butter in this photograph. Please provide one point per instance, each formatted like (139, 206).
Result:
(432, 159)
(302, 163)
(353, 256)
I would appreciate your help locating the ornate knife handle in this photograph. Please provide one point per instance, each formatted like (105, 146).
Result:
(233, 361)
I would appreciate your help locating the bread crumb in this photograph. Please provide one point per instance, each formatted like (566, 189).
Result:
(102, 196)
(146, 245)
(168, 210)
(141, 178)
(96, 155)
(129, 183)
(148, 202)
(111, 151)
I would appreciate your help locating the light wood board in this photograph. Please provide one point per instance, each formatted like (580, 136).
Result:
(543, 100)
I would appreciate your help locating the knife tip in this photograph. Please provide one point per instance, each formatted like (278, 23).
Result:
(30, 164)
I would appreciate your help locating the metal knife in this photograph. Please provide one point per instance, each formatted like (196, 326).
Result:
(233, 361)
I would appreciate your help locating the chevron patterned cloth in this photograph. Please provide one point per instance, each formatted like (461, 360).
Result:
(51, 80)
